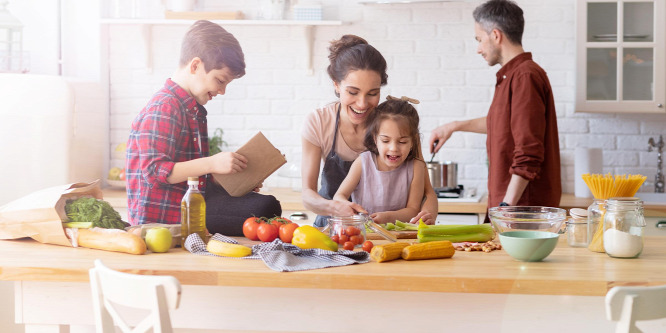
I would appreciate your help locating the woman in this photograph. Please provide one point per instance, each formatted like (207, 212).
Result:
(335, 132)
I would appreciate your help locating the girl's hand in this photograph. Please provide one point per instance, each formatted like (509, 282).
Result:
(426, 216)
(258, 187)
(346, 208)
(381, 218)
(228, 163)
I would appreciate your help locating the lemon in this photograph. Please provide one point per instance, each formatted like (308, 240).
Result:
(121, 147)
(114, 173)
(158, 239)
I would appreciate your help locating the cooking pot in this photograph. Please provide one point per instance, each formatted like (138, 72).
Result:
(443, 175)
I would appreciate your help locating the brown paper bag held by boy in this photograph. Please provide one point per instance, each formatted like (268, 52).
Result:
(40, 215)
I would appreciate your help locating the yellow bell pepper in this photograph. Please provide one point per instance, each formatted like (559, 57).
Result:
(309, 237)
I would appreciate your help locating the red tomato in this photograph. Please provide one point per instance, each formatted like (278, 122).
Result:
(343, 238)
(348, 246)
(267, 232)
(351, 231)
(336, 238)
(356, 239)
(121, 175)
(287, 232)
(250, 227)
(367, 246)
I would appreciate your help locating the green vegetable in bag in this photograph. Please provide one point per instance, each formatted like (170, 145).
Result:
(99, 212)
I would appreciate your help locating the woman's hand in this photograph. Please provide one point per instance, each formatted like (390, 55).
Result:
(346, 208)
(227, 163)
(427, 218)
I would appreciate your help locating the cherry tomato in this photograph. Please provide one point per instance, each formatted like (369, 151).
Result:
(351, 231)
(336, 238)
(250, 227)
(267, 232)
(356, 239)
(348, 246)
(286, 231)
(367, 246)
(343, 239)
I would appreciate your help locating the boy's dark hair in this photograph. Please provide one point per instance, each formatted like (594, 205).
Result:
(404, 114)
(216, 48)
(504, 15)
(351, 53)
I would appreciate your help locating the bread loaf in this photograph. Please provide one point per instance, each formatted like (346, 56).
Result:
(111, 240)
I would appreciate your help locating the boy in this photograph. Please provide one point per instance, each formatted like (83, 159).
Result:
(168, 141)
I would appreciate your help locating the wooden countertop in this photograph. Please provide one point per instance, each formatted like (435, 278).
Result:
(291, 201)
(567, 271)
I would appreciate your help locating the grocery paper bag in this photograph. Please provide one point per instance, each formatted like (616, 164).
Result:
(262, 160)
(40, 214)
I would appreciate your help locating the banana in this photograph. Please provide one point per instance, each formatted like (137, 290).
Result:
(227, 249)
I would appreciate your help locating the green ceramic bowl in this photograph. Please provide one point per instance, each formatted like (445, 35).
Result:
(528, 245)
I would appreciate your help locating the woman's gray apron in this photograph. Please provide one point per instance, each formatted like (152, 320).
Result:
(334, 172)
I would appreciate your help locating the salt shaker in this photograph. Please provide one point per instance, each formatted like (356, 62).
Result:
(623, 227)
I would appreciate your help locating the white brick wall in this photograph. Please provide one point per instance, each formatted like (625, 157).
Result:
(431, 55)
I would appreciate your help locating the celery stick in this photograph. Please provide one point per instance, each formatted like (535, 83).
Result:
(442, 229)
(406, 226)
(473, 237)
(389, 226)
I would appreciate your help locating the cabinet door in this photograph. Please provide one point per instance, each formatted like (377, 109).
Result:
(620, 56)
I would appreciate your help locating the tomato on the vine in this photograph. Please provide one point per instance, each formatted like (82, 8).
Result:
(267, 232)
(250, 227)
(287, 232)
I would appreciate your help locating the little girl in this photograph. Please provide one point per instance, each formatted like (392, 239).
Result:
(388, 179)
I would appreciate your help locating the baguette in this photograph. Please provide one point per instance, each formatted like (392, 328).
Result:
(111, 240)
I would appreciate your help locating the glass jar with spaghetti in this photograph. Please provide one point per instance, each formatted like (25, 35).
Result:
(623, 227)
(595, 215)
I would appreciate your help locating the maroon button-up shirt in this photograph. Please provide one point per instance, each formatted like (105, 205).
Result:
(171, 128)
(522, 135)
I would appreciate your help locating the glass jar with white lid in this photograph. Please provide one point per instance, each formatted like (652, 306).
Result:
(624, 224)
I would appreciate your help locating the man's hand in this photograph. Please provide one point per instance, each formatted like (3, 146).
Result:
(440, 135)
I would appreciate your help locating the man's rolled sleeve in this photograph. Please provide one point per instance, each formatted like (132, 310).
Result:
(528, 127)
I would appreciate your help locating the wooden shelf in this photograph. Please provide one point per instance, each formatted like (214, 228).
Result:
(147, 24)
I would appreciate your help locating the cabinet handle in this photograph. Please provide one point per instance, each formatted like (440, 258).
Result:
(660, 105)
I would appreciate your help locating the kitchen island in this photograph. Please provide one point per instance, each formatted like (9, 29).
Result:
(473, 290)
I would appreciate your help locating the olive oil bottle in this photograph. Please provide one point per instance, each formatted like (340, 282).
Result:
(193, 211)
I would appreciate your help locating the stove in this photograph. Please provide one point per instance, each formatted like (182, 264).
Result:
(450, 192)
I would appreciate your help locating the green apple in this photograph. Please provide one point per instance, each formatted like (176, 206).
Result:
(114, 173)
(158, 239)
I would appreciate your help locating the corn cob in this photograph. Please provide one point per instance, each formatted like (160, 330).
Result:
(227, 249)
(430, 250)
(387, 252)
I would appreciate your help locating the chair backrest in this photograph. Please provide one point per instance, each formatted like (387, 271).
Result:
(159, 294)
(626, 305)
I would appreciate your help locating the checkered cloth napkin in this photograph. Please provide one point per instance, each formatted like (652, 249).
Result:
(285, 257)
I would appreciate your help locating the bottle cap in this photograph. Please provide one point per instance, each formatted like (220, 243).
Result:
(193, 180)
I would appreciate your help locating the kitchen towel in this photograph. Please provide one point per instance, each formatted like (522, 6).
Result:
(285, 257)
(586, 160)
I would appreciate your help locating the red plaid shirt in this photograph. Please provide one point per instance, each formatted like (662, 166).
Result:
(171, 128)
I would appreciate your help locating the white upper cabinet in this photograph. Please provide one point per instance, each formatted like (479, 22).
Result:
(620, 62)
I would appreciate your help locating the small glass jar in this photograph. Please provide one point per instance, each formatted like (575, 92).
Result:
(343, 229)
(577, 235)
(623, 227)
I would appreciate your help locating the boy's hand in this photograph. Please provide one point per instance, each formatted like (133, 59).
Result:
(228, 162)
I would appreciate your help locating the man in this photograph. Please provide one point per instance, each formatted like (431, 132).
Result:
(521, 125)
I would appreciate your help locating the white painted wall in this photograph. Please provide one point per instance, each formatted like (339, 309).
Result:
(432, 57)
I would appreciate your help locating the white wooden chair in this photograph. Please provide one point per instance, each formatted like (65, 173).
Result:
(110, 288)
(626, 305)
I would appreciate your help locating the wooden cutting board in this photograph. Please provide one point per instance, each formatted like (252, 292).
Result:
(406, 234)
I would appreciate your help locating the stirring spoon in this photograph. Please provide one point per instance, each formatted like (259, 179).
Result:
(433, 149)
